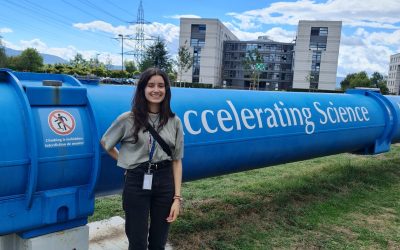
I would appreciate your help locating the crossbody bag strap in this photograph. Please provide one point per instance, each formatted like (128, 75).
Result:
(160, 140)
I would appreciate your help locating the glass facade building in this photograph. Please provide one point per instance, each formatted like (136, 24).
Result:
(276, 67)
(219, 57)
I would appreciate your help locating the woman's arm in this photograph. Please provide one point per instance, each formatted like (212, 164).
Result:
(112, 152)
(177, 172)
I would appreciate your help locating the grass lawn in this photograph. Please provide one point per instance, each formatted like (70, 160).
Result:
(336, 202)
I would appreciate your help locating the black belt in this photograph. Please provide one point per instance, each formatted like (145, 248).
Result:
(156, 165)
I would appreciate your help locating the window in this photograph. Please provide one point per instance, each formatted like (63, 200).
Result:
(317, 46)
(319, 31)
(316, 56)
(202, 28)
(198, 35)
(251, 47)
(323, 31)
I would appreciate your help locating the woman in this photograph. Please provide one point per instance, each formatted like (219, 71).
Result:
(152, 178)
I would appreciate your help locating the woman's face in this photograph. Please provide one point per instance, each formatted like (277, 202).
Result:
(155, 90)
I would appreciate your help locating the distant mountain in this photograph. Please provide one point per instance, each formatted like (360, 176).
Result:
(47, 59)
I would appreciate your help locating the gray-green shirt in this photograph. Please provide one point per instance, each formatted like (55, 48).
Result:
(132, 154)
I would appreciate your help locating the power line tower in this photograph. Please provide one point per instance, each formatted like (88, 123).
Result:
(140, 38)
(139, 46)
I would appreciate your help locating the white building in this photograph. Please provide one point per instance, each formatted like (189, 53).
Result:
(393, 81)
(316, 54)
(205, 37)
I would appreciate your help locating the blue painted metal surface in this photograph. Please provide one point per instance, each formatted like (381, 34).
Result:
(51, 164)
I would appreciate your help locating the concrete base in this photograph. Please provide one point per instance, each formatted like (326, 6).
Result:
(71, 239)
(109, 235)
(100, 235)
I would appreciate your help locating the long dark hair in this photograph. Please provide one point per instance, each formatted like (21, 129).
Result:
(139, 103)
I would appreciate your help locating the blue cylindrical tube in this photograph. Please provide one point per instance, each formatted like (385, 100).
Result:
(51, 163)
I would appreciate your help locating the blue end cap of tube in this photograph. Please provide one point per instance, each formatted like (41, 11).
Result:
(382, 144)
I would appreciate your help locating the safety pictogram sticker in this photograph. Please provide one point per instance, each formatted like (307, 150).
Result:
(61, 122)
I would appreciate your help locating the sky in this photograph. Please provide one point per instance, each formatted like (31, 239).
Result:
(370, 31)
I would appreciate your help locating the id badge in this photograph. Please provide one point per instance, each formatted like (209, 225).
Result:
(147, 181)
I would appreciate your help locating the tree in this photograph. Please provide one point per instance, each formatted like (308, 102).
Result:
(312, 78)
(130, 66)
(383, 87)
(353, 80)
(376, 78)
(78, 61)
(100, 70)
(3, 56)
(156, 55)
(108, 62)
(29, 60)
(379, 81)
(184, 60)
(80, 66)
(172, 77)
(361, 79)
(94, 62)
(254, 64)
(345, 83)
(12, 62)
(136, 74)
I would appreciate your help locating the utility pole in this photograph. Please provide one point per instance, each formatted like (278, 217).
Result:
(122, 37)
(122, 51)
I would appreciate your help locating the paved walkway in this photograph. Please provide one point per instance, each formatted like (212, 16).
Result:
(109, 235)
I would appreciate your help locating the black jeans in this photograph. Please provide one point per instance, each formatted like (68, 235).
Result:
(139, 204)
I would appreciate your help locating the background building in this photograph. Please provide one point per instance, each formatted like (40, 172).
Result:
(393, 81)
(277, 59)
(205, 37)
(309, 63)
(316, 54)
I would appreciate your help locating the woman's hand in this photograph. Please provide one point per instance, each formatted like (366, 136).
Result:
(174, 212)
(176, 205)
(112, 152)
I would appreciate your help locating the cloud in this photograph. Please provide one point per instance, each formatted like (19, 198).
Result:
(183, 16)
(246, 23)
(371, 30)
(168, 32)
(384, 38)
(277, 34)
(5, 30)
(66, 53)
(105, 27)
(367, 13)
(363, 58)
(367, 51)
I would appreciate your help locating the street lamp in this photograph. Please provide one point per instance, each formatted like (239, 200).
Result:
(122, 51)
